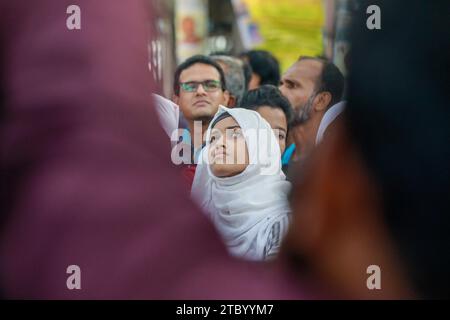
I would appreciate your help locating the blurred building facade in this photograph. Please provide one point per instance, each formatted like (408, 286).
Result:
(188, 27)
(287, 28)
(336, 32)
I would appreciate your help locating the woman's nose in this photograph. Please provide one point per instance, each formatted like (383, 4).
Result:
(220, 143)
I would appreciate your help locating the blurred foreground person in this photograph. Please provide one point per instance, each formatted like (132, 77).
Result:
(86, 177)
(376, 193)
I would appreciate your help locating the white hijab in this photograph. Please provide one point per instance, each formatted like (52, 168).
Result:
(250, 210)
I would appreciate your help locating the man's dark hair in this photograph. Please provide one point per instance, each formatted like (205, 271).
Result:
(221, 53)
(265, 65)
(194, 60)
(267, 95)
(331, 79)
(247, 73)
(398, 118)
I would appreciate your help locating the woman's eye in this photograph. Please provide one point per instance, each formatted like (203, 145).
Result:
(212, 139)
(281, 137)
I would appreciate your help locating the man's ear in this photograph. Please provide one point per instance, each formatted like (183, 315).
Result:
(231, 101)
(226, 98)
(255, 81)
(322, 101)
(175, 99)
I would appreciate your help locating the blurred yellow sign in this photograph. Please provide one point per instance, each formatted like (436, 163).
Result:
(289, 28)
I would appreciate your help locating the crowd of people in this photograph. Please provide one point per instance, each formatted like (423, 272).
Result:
(245, 192)
(312, 177)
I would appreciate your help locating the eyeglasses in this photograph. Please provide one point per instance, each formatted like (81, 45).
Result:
(208, 85)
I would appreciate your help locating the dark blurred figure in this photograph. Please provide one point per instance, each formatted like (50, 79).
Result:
(265, 68)
(268, 101)
(377, 190)
(86, 173)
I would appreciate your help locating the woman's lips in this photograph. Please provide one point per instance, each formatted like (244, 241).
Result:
(222, 155)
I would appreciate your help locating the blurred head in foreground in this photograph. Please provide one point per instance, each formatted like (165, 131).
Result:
(376, 192)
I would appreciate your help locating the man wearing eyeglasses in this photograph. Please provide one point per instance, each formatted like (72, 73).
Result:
(199, 89)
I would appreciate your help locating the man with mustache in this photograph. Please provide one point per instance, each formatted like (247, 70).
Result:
(313, 86)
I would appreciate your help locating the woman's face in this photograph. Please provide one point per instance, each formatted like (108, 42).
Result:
(228, 153)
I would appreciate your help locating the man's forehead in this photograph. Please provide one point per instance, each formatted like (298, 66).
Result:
(304, 69)
(199, 72)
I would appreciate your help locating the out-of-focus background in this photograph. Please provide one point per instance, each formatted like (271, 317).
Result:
(287, 28)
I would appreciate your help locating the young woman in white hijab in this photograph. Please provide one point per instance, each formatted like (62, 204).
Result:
(246, 199)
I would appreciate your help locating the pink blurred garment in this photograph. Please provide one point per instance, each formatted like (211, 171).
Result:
(86, 172)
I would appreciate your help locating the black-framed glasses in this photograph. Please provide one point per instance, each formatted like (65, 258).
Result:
(208, 85)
